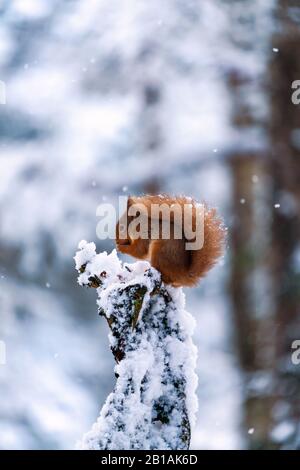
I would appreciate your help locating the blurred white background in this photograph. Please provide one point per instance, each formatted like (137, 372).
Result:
(106, 98)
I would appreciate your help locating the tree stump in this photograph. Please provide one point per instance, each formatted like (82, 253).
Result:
(153, 403)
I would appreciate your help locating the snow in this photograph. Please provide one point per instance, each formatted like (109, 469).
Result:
(158, 351)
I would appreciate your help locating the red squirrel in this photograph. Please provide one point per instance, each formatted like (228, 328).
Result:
(178, 265)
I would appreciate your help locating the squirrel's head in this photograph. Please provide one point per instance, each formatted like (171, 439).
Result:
(127, 242)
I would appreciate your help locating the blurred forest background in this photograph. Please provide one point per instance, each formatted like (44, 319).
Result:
(113, 97)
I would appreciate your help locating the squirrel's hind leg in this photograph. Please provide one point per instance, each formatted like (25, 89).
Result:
(171, 259)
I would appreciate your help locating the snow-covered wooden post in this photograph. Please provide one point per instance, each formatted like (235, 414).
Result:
(153, 404)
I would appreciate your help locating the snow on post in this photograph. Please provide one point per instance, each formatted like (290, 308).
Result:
(153, 403)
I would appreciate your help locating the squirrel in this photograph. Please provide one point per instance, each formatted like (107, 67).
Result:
(178, 265)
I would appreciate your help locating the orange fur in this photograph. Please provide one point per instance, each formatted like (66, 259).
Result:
(178, 266)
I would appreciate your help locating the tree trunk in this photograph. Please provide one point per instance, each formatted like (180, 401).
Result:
(285, 169)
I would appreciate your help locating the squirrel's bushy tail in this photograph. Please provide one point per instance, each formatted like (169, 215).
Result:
(214, 241)
(202, 260)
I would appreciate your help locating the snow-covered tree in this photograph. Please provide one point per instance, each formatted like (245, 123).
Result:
(153, 404)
